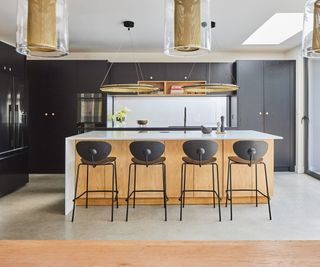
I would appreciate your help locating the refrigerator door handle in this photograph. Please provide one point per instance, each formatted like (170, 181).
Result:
(11, 127)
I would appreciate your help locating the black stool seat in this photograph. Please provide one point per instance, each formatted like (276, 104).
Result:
(244, 161)
(197, 162)
(100, 162)
(153, 162)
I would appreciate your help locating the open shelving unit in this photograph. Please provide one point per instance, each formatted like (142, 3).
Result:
(168, 87)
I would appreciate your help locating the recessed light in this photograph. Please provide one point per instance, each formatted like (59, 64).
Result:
(279, 28)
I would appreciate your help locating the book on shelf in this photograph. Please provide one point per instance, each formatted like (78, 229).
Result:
(176, 89)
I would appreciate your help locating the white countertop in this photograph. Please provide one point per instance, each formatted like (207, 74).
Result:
(172, 135)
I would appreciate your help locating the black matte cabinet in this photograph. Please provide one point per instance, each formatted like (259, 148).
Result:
(266, 102)
(153, 71)
(54, 86)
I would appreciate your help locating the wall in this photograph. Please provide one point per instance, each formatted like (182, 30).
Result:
(295, 54)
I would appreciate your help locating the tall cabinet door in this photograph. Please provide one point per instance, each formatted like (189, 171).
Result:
(250, 95)
(279, 113)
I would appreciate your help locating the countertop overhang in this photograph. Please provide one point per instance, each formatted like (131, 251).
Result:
(173, 135)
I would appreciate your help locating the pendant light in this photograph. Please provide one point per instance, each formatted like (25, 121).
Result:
(311, 29)
(210, 88)
(134, 88)
(187, 27)
(42, 28)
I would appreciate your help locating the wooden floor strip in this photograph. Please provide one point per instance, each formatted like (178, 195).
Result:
(159, 253)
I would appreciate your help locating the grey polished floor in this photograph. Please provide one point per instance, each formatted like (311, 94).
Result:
(36, 212)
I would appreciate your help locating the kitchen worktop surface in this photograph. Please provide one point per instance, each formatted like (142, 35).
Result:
(172, 135)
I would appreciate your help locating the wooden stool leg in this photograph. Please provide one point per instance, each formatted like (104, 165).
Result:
(230, 191)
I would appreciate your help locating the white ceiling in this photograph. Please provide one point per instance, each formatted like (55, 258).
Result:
(96, 25)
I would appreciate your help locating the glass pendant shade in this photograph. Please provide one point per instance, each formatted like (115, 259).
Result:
(187, 27)
(42, 28)
(311, 29)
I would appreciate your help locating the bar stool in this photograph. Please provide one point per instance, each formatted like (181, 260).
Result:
(249, 153)
(146, 154)
(200, 153)
(95, 154)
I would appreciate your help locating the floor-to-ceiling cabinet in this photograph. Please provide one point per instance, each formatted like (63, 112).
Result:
(266, 102)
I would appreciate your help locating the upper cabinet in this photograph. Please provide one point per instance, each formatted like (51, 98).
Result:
(153, 71)
(221, 73)
(11, 61)
(186, 71)
(124, 73)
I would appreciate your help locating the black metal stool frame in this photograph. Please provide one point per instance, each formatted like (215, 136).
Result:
(256, 190)
(164, 190)
(114, 184)
(184, 190)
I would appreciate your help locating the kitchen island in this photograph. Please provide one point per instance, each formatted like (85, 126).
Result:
(150, 178)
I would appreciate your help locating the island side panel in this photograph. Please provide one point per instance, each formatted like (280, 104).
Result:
(244, 177)
(70, 174)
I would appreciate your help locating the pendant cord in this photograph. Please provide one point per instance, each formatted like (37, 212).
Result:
(110, 67)
(192, 68)
(136, 64)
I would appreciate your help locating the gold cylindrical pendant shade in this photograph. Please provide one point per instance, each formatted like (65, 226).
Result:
(187, 27)
(187, 23)
(42, 33)
(42, 28)
(316, 28)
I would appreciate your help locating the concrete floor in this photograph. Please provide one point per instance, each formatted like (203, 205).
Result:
(36, 212)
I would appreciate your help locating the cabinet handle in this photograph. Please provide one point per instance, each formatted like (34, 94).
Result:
(260, 113)
(151, 77)
(267, 113)
(4, 67)
(46, 114)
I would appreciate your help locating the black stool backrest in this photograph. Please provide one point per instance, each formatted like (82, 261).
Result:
(250, 150)
(147, 150)
(93, 151)
(200, 150)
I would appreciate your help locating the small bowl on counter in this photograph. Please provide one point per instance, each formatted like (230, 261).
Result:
(142, 123)
(206, 130)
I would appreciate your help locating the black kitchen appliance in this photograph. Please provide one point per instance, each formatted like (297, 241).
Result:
(13, 125)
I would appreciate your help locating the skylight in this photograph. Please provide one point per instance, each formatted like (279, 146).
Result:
(279, 28)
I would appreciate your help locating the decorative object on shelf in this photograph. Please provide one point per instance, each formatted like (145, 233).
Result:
(120, 116)
(210, 88)
(311, 29)
(142, 123)
(206, 130)
(188, 27)
(127, 88)
(42, 28)
(222, 127)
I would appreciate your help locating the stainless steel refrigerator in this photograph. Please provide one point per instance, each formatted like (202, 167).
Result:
(13, 133)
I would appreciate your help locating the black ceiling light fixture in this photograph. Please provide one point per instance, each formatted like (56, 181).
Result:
(128, 24)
